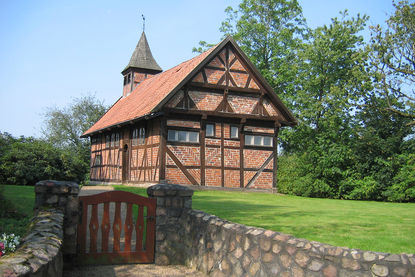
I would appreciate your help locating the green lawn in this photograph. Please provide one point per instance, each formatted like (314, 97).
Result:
(22, 199)
(376, 226)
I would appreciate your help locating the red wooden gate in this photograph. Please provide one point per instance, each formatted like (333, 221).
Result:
(129, 217)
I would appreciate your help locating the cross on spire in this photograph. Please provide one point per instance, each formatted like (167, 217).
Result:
(144, 22)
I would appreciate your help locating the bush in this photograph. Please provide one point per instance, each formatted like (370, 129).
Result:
(403, 188)
(28, 160)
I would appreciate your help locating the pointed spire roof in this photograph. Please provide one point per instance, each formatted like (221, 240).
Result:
(142, 57)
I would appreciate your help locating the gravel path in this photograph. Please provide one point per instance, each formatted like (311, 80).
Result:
(129, 269)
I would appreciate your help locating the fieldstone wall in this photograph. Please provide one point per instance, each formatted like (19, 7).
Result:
(172, 202)
(51, 234)
(39, 253)
(222, 248)
(64, 196)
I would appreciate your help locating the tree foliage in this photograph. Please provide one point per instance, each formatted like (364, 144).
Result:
(61, 155)
(64, 126)
(354, 101)
(393, 58)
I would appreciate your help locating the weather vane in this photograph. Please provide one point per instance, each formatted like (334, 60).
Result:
(144, 22)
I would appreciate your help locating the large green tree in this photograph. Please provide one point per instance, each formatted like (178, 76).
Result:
(394, 59)
(64, 126)
(333, 79)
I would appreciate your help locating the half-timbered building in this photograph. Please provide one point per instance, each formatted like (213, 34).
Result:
(210, 121)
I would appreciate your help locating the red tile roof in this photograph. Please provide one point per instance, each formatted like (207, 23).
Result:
(147, 95)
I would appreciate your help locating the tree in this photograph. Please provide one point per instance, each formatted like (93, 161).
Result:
(394, 59)
(333, 79)
(63, 128)
(270, 33)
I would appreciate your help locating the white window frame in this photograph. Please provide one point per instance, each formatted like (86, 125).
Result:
(175, 135)
(258, 140)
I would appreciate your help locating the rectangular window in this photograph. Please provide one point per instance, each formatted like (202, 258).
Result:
(210, 130)
(107, 141)
(112, 139)
(134, 137)
(142, 136)
(258, 140)
(117, 139)
(234, 132)
(98, 160)
(183, 136)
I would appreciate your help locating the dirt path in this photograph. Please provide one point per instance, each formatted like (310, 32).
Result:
(130, 269)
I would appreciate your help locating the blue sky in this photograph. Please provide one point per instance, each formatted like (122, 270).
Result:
(54, 51)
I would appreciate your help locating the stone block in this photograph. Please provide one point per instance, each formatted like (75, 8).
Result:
(380, 270)
(52, 200)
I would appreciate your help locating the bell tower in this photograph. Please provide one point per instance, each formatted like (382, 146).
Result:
(142, 65)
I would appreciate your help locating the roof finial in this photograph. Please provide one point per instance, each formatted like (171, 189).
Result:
(144, 22)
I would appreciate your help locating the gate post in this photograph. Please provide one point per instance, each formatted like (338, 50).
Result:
(64, 196)
(172, 201)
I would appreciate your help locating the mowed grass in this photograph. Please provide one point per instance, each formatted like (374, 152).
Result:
(366, 225)
(22, 199)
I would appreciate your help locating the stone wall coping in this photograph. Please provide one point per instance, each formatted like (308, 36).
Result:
(40, 249)
(161, 190)
(57, 187)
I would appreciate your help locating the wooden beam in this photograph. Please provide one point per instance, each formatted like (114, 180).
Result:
(163, 147)
(241, 153)
(222, 160)
(275, 166)
(202, 152)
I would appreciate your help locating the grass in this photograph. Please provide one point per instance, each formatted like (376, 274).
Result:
(17, 209)
(366, 225)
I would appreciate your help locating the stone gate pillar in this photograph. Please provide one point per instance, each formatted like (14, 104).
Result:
(62, 195)
(172, 201)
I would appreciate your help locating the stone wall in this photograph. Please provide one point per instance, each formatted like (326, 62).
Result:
(51, 234)
(222, 248)
(40, 252)
(172, 201)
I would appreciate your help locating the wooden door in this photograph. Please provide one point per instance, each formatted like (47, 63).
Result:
(125, 164)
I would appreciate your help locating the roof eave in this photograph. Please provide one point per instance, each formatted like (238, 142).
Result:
(123, 123)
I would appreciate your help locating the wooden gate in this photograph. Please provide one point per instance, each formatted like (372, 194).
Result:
(116, 227)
